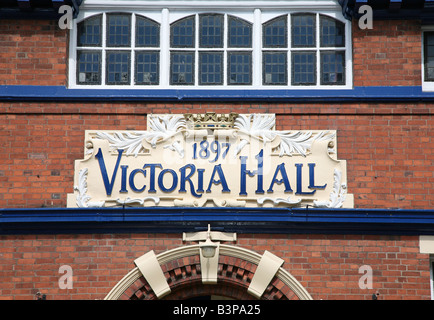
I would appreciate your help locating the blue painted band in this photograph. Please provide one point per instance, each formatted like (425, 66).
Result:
(357, 94)
(242, 220)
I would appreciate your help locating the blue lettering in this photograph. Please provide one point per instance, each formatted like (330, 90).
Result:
(280, 168)
(152, 177)
(312, 178)
(219, 171)
(131, 180)
(174, 180)
(185, 178)
(299, 181)
(200, 180)
(108, 185)
(259, 172)
(124, 180)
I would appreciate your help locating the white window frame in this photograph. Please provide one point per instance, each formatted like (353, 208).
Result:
(166, 12)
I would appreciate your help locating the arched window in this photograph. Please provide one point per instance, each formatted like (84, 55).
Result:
(107, 55)
(217, 49)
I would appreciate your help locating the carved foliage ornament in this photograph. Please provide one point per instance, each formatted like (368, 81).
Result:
(210, 160)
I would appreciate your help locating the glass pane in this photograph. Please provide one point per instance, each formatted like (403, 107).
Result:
(211, 31)
(240, 33)
(303, 68)
(333, 67)
(147, 67)
(332, 32)
(118, 67)
(429, 56)
(147, 33)
(118, 30)
(182, 33)
(274, 68)
(210, 68)
(89, 67)
(89, 32)
(182, 68)
(303, 30)
(429, 38)
(240, 68)
(275, 33)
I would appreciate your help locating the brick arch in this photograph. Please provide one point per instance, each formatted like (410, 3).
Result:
(183, 276)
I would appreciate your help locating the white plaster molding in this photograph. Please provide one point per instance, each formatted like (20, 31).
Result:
(288, 201)
(261, 126)
(150, 269)
(226, 250)
(266, 270)
(214, 235)
(161, 127)
(337, 196)
(173, 132)
(426, 244)
(83, 199)
(133, 202)
(209, 266)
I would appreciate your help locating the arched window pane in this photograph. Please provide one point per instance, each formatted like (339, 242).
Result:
(118, 30)
(147, 33)
(182, 33)
(239, 33)
(275, 33)
(89, 32)
(332, 32)
(303, 30)
(211, 31)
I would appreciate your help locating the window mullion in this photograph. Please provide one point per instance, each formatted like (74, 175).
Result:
(318, 50)
(289, 54)
(257, 49)
(103, 53)
(196, 50)
(225, 49)
(133, 46)
(165, 48)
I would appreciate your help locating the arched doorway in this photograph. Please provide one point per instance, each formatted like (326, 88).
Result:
(177, 274)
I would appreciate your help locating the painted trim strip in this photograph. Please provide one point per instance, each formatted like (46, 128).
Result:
(357, 94)
(240, 220)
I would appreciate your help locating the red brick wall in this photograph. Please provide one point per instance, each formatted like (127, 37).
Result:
(388, 148)
(390, 54)
(32, 53)
(326, 265)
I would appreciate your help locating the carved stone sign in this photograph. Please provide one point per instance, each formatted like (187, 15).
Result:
(235, 160)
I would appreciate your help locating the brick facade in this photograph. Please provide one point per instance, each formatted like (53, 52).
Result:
(390, 157)
(388, 148)
(326, 265)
